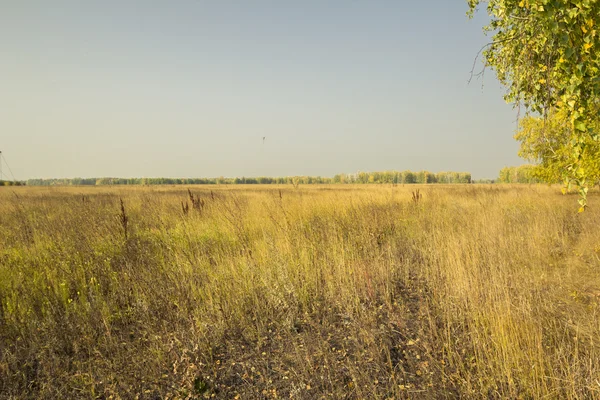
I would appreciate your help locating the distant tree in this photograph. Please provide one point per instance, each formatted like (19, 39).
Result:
(408, 177)
(520, 174)
(505, 175)
(464, 177)
(429, 177)
(362, 177)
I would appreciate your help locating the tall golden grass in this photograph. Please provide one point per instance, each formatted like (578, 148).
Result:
(358, 292)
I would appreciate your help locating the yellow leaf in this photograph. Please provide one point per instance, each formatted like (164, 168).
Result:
(586, 46)
(522, 3)
(581, 209)
(583, 29)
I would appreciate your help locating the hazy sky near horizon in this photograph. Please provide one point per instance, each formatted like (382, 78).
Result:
(189, 88)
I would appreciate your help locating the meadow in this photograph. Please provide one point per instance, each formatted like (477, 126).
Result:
(333, 291)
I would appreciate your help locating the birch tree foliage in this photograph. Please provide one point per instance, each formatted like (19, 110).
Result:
(547, 55)
(546, 141)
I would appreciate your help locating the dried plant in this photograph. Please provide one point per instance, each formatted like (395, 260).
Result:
(124, 219)
(416, 197)
(197, 202)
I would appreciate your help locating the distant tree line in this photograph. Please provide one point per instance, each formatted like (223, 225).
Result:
(521, 174)
(404, 177)
(393, 177)
(11, 183)
(173, 181)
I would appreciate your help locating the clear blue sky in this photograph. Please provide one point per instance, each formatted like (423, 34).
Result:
(189, 88)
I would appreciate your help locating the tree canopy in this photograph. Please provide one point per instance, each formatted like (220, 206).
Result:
(547, 142)
(521, 174)
(547, 54)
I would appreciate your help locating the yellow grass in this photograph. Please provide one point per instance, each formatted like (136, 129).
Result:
(316, 292)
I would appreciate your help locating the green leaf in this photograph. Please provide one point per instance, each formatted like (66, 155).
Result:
(569, 51)
(580, 126)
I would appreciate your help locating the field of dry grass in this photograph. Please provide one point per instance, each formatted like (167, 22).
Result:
(344, 292)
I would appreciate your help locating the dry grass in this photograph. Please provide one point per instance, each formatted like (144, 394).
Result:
(321, 292)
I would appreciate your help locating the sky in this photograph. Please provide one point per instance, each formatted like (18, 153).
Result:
(189, 88)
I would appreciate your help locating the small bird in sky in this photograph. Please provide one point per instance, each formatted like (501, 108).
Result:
(264, 137)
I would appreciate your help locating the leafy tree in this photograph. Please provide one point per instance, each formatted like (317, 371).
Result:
(465, 177)
(408, 177)
(520, 174)
(547, 54)
(504, 175)
(547, 142)
(363, 177)
(429, 177)
(442, 177)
